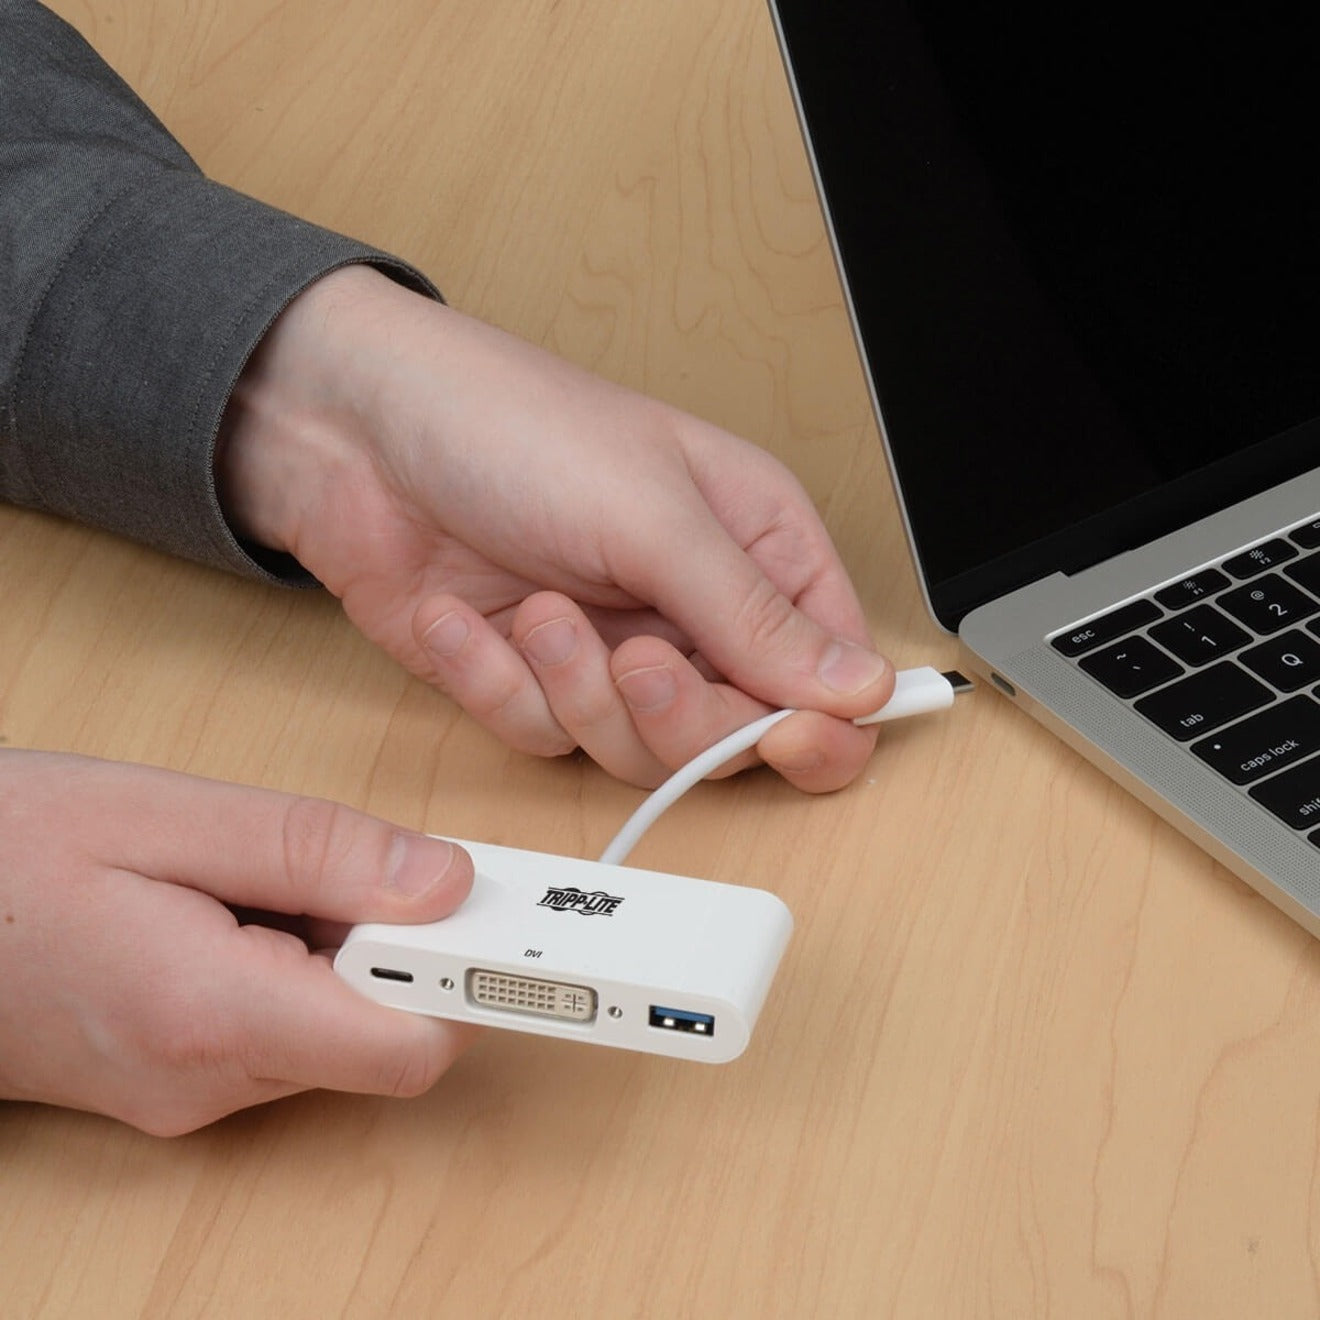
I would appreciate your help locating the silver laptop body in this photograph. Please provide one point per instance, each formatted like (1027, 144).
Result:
(1046, 312)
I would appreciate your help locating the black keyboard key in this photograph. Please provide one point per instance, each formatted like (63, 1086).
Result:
(1290, 661)
(1269, 604)
(1179, 595)
(1204, 701)
(1259, 558)
(1200, 635)
(1131, 667)
(1307, 536)
(1307, 573)
(1293, 796)
(1264, 743)
(1126, 619)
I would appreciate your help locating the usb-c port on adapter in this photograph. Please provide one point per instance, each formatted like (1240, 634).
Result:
(682, 1019)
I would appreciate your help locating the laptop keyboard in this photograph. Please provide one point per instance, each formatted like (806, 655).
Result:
(1227, 661)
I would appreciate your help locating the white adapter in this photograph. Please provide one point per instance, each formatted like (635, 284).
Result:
(586, 951)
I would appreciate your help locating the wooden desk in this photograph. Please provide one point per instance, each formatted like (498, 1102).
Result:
(1030, 1052)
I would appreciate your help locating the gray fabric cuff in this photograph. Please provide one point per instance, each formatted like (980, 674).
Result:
(136, 347)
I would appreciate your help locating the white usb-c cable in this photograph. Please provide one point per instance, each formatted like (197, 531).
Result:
(916, 691)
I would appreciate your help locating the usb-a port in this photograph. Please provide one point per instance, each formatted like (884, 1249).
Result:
(682, 1019)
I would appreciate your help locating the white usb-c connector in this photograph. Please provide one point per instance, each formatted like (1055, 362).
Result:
(916, 691)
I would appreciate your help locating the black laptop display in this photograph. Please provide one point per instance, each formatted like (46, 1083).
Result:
(1081, 249)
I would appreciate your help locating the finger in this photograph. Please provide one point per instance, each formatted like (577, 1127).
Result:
(674, 709)
(678, 713)
(753, 633)
(617, 626)
(572, 664)
(765, 509)
(817, 753)
(316, 933)
(258, 849)
(301, 1026)
(479, 668)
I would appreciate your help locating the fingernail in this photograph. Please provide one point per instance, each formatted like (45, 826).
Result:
(648, 689)
(447, 634)
(417, 865)
(847, 668)
(551, 643)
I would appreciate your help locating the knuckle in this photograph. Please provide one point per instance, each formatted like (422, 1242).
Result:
(544, 741)
(171, 1119)
(316, 838)
(648, 778)
(765, 620)
(588, 709)
(495, 700)
(551, 743)
(412, 1074)
(188, 1042)
(195, 1056)
(535, 732)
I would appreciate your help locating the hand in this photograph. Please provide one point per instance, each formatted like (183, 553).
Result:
(576, 564)
(131, 988)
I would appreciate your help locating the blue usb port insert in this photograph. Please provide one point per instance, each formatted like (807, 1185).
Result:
(682, 1019)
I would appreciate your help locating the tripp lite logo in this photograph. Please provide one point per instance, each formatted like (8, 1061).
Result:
(599, 904)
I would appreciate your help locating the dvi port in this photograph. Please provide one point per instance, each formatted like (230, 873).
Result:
(526, 994)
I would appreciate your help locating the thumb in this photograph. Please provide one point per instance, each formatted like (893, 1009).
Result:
(761, 641)
(260, 849)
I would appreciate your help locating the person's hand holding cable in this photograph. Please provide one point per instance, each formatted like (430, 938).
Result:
(576, 564)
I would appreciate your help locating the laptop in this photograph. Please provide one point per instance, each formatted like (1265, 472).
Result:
(1081, 252)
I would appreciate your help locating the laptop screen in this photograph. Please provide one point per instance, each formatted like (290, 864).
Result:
(1083, 252)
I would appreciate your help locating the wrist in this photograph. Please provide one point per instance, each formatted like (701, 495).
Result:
(293, 429)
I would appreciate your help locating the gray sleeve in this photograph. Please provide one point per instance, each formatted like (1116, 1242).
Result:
(132, 290)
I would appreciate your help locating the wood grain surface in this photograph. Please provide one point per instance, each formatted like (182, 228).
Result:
(1030, 1053)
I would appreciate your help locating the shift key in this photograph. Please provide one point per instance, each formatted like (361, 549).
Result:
(1273, 740)
(1293, 796)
